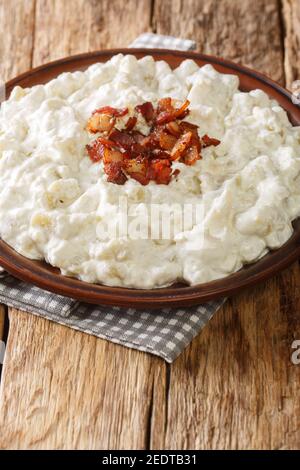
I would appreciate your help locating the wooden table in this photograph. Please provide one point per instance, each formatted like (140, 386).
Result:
(235, 385)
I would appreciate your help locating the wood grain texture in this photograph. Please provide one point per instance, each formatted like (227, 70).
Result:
(64, 28)
(17, 32)
(245, 31)
(62, 389)
(291, 13)
(2, 319)
(235, 385)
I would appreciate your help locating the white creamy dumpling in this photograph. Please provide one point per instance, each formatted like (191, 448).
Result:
(211, 88)
(287, 161)
(185, 70)
(261, 118)
(210, 94)
(21, 104)
(169, 83)
(268, 215)
(227, 159)
(65, 84)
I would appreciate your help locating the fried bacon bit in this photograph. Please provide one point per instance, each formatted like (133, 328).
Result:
(173, 128)
(188, 127)
(207, 141)
(167, 141)
(181, 144)
(172, 114)
(138, 136)
(146, 109)
(122, 139)
(104, 119)
(150, 142)
(130, 123)
(106, 142)
(112, 156)
(191, 155)
(158, 153)
(100, 123)
(111, 111)
(115, 173)
(160, 171)
(182, 111)
(128, 153)
(165, 105)
(95, 150)
(137, 169)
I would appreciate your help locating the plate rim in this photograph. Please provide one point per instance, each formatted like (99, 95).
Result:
(19, 266)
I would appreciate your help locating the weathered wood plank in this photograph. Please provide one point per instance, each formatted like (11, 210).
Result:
(244, 31)
(81, 26)
(291, 15)
(17, 25)
(235, 386)
(62, 389)
(2, 318)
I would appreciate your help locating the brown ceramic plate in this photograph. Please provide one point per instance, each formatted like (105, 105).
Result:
(49, 278)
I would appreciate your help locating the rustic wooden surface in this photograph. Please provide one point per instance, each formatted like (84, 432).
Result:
(291, 21)
(234, 386)
(2, 319)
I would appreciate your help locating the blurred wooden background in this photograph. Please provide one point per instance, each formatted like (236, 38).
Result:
(235, 385)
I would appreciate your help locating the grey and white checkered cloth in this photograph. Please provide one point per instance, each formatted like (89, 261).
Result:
(164, 333)
(152, 41)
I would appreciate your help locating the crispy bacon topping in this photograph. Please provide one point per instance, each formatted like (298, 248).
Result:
(131, 123)
(172, 114)
(104, 119)
(100, 123)
(173, 128)
(207, 141)
(115, 173)
(160, 171)
(181, 145)
(111, 111)
(122, 139)
(95, 150)
(127, 153)
(147, 110)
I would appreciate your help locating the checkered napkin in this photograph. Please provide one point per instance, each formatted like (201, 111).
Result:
(164, 332)
(152, 41)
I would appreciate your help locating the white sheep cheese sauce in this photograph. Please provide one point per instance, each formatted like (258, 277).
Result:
(53, 198)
